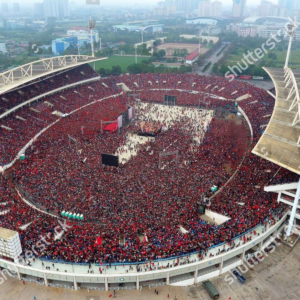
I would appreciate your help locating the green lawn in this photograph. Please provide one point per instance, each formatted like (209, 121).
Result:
(123, 62)
(281, 56)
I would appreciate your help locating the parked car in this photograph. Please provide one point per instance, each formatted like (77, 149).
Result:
(240, 277)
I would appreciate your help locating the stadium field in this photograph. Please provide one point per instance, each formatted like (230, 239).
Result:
(122, 61)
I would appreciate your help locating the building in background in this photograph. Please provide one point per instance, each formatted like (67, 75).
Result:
(216, 8)
(83, 33)
(77, 37)
(62, 44)
(245, 31)
(208, 8)
(5, 8)
(192, 58)
(187, 6)
(239, 8)
(139, 26)
(3, 48)
(268, 9)
(16, 8)
(38, 10)
(56, 9)
(263, 27)
(290, 6)
(165, 8)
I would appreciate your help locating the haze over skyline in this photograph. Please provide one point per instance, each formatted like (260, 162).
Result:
(131, 2)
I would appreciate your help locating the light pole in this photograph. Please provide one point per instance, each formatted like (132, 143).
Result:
(92, 25)
(290, 28)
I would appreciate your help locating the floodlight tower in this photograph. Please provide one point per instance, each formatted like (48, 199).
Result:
(92, 25)
(290, 29)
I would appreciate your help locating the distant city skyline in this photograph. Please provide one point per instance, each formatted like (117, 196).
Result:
(131, 2)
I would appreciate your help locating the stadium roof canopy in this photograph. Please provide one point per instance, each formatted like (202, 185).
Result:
(137, 28)
(207, 20)
(16, 77)
(213, 18)
(280, 142)
(263, 20)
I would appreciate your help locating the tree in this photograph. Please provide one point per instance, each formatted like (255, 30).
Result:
(215, 69)
(223, 69)
(161, 53)
(135, 68)
(127, 49)
(116, 70)
(104, 72)
(142, 49)
(156, 43)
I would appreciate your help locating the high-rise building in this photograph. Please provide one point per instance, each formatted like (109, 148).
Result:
(165, 8)
(289, 4)
(209, 9)
(265, 9)
(56, 8)
(216, 8)
(187, 6)
(290, 7)
(16, 7)
(204, 8)
(3, 48)
(239, 8)
(268, 9)
(38, 9)
(5, 8)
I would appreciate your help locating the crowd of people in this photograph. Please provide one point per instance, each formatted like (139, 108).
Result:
(138, 209)
(58, 80)
(19, 127)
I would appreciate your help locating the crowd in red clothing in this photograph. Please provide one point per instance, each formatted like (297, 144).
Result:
(26, 122)
(58, 80)
(138, 198)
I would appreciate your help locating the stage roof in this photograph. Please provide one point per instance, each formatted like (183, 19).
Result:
(16, 77)
(280, 142)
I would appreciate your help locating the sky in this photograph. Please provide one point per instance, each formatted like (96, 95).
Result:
(130, 2)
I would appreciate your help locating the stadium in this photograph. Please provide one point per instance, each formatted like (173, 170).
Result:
(142, 180)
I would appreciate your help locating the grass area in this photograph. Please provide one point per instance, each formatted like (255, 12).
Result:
(281, 56)
(122, 61)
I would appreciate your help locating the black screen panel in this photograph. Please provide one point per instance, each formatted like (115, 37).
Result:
(110, 160)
